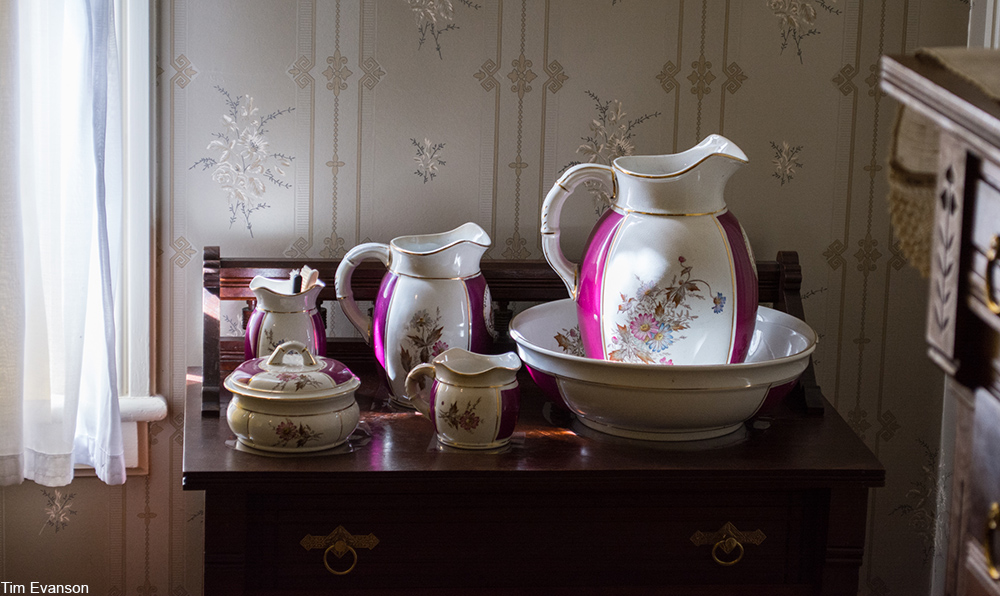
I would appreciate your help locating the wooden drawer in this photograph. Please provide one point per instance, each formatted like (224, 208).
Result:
(545, 540)
(976, 580)
(983, 491)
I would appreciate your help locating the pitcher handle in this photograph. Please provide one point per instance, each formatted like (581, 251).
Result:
(342, 282)
(417, 390)
(567, 270)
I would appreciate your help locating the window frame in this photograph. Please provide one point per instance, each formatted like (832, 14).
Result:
(135, 313)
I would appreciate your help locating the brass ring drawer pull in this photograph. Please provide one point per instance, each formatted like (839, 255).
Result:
(991, 258)
(339, 542)
(339, 549)
(991, 528)
(727, 546)
(727, 540)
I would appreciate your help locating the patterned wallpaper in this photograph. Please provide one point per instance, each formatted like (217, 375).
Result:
(303, 127)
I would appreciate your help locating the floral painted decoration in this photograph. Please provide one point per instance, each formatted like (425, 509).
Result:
(301, 434)
(467, 420)
(422, 341)
(570, 341)
(299, 381)
(655, 317)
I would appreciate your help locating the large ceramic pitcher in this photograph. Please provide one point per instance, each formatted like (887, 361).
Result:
(433, 297)
(285, 311)
(667, 275)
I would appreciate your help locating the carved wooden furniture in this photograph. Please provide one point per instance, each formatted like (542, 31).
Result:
(963, 322)
(779, 507)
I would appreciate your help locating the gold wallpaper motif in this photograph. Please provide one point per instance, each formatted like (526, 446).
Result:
(185, 71)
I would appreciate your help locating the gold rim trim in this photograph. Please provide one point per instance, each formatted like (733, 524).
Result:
(342, 388)
(512, 384)
(291, 312)
(467, 277)
(627, 210)
(393, 246)
(732, 285)
(691, 390)
(339, 412)
(617, 167)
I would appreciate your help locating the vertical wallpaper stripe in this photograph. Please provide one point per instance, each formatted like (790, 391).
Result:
(338, 74)
(373, 73)
(845, 168)
(305, 121)
(489, 144)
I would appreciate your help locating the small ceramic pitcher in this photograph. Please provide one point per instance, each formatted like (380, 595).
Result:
(433, 297)
(472, 399)
(283, 313)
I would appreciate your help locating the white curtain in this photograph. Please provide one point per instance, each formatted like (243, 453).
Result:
(60, 231)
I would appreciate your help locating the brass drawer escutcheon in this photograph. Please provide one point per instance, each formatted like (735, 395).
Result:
(727, 540)
(339, 542)
(991, 528)
(991, 259)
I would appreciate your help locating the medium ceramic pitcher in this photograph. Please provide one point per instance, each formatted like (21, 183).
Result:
(472, 399)
(285, 311)
(433, 297)
(667, 275)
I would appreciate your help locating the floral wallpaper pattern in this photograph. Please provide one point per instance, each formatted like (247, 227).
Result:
(242, 163)
(57, 509)
(428, 159)
(786, 161)
(370, 119)
(434, 18)
(611, 136)
(798, 20)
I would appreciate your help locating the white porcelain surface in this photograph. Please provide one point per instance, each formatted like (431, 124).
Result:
(665, 403)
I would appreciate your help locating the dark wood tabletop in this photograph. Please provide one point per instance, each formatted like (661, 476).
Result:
(786, 443)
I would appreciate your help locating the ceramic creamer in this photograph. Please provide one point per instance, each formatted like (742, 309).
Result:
(472, 399)
(667, 275)
(284, 313)
(433, 297)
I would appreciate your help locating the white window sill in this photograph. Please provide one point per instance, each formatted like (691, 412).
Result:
(136, 414)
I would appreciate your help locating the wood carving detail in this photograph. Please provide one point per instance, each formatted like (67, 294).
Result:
(946, 252)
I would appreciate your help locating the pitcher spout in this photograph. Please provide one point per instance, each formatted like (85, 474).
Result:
(687, 183)
(452, 254)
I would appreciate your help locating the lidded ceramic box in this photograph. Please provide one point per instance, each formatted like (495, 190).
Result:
(292, 401)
